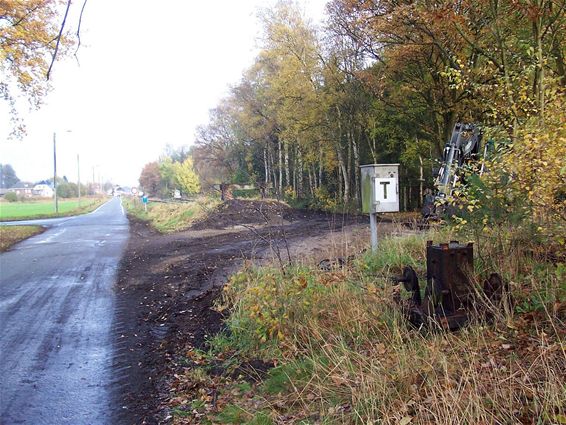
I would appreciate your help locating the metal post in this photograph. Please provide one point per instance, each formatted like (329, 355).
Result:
(373, 218)
(79, 178)
(55, 171)
(421, 180)
(373, 230)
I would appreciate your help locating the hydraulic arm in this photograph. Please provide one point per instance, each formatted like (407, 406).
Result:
(463, 145)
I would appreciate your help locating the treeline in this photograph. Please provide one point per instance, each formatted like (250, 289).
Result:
(382, 82)
(173, 171)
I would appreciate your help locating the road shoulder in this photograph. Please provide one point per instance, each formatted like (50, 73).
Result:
(11, 235)
(167, 285)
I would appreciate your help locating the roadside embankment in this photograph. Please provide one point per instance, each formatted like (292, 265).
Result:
(169, 217)
(11, 235)
(168, 283)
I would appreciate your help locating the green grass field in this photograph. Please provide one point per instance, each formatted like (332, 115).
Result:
(42, 209)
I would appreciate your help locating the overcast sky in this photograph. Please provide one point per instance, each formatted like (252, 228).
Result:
(149, 73)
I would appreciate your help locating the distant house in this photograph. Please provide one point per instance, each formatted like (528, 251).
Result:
(23, 189)
(43, 190)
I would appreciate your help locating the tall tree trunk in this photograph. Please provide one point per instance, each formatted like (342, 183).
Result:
(266, 166)
(539, 74)
(342, 169)
(280, 185)
(287, 173)
(315, 182)
(372, 144)
(557, 47)
(356, 169)
(320, 165)
(340, 156)
(300, 173)
(273, 170)
(295, 170)
(349, 157)
(311, 187)
(340, 184)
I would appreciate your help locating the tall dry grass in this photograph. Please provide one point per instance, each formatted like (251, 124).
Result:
(171, 217)
(360, 361)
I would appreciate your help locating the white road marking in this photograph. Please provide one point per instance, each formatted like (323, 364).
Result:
(51, 237)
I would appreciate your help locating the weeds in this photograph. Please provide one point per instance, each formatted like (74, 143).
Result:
(344, 354)
(170, 217)
(11, 235)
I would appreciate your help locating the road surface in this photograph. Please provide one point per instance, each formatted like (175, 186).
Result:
(56, 320)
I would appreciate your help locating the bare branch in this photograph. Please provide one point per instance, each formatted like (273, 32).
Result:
(79, 28)
(61, 29)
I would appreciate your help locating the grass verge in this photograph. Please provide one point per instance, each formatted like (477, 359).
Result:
(169, 217)
(31, 210)
(344, 354)
(11, 235)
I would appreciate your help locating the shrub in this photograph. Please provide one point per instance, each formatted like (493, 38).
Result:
(246, 193)
(11, 197)
(519, 200)
(67, 190)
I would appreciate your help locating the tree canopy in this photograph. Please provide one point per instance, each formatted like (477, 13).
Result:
(8, 176)
(32, 36)
(173, 171)
(385, 81)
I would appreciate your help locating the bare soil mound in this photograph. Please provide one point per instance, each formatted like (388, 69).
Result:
(238, 212)
(168, 283)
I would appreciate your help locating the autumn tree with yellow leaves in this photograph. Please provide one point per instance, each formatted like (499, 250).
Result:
(385, 81)
(32, 37)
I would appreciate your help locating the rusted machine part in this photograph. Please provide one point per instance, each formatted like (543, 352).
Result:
(449, 292)
(330, 264)
(449, 296)
(410, 281)
(411, 308)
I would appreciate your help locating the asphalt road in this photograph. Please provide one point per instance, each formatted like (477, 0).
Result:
(56, 320)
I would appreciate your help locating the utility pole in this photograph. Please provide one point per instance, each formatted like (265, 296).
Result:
(79, 178)
(55, 171)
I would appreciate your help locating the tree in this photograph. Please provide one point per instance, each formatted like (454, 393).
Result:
(167, 173)
(32, 37)
(216, 152)
(8, 176)
(186, 177)
(67, 190)
(176, 154)
(150, 178)
(385, 82)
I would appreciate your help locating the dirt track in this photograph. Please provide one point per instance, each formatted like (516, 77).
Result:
(167, 284)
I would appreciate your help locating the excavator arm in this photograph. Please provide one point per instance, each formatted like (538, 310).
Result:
(463, 145)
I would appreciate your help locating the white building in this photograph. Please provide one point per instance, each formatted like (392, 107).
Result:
(43, 190)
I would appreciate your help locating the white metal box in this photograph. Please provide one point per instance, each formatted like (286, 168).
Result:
(380, 188)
